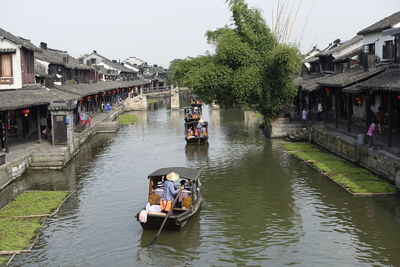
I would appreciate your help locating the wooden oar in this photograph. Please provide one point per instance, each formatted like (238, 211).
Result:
(166, 217)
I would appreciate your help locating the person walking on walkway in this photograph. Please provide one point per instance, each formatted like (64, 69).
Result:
(319, 109)
(380, 117)
(2, 134)
(304, 118)
(371, 134)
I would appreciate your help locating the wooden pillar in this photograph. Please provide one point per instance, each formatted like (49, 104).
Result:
(337, 108)
(367, 112)
(5, 116)
(38, 124)
(390, 119)
(325, 106)
(349, 111)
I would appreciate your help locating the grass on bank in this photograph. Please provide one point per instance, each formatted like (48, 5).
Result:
(355, 179)
(151, 100)
(19, 233)
(127, 118)
(299, 146)
(34, 203)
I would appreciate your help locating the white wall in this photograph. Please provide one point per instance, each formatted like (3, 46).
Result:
(379, 40)
(93, 55)
(16, 64)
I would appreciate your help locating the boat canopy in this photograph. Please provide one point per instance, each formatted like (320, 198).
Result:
(196, 122)
(187, 173)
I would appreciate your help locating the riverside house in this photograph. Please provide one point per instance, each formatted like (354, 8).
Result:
(355, 78)
(22, 101)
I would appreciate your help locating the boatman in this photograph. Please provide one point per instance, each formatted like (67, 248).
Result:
(169, 192)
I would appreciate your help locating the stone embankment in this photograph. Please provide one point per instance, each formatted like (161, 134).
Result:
(379, 161)
(56, 157)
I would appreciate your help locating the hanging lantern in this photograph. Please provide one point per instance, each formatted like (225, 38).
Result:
(358, 100)
(398, 97)
(114, 91)
(87, 98)
(81, 100)
(96, 96)
(26, 112)
(109, 92)
(328, 90)
(103, 94)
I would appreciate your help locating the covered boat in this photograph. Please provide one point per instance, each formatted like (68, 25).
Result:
(189, 199)
(196, 132)
(192, 114)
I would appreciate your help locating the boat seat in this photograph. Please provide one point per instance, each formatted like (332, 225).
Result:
(156, 213)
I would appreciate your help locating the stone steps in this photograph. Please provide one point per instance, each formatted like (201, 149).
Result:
(47, 165)
(108, 127)
(48, 158)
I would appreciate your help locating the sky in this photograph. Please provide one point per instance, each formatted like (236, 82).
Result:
(158, 31)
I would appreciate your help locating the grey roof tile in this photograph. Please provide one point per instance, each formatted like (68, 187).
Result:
(383, 24)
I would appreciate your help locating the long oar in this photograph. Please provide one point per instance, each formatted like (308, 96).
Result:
(165, 219)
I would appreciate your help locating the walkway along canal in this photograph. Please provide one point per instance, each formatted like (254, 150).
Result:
(260, 205)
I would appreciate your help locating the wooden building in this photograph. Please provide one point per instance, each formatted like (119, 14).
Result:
(54, 66)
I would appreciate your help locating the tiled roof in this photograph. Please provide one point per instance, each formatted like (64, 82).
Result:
(117, 66)
(388, 80)
(351, 76)
(53, 56)
(383, 24)
(18, 40)
(341, 47)
(309, 82)
(85, 89)
(25, 98)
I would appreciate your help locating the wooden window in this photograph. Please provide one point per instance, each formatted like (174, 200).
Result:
(371, 48)
(388, 48)
(6, 71)
(93, 60)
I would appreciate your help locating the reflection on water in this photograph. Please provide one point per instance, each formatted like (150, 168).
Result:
(260, 205)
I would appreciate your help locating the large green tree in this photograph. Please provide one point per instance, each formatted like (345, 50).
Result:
(249, 67)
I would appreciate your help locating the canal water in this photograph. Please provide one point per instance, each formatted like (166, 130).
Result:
(260, 206)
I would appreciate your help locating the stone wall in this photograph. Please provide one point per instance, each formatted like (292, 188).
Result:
(282, 127)
(378, 161)
(12, 170)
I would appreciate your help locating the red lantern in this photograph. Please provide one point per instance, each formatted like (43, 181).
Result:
(398, 97)
(26, 112)
(80, 100)
(96, 96)
(358, 100)
(103, 94)
(88, 98)
(328, 90)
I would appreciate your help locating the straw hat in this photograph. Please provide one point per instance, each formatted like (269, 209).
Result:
(172, 176)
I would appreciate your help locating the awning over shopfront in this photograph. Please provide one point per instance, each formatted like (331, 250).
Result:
(29, 97)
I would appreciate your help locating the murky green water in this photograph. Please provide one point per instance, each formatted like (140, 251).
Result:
(261, 207)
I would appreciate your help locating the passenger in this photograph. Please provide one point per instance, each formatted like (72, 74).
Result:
(198, 127)
(179, 204)
(169, 192)
(380, 117)
(204, 131)
(190, 132)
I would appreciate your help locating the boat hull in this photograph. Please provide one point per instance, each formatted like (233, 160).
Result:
(173, 223)
(197, 140)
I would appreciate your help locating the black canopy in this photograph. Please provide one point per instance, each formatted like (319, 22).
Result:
(187, 173)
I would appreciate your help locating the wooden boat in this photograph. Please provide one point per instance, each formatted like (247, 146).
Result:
(192, 114)
(196, 103)
(193, 136)
(191, 199)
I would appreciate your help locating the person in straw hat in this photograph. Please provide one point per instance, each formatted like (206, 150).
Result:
(169, 191)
